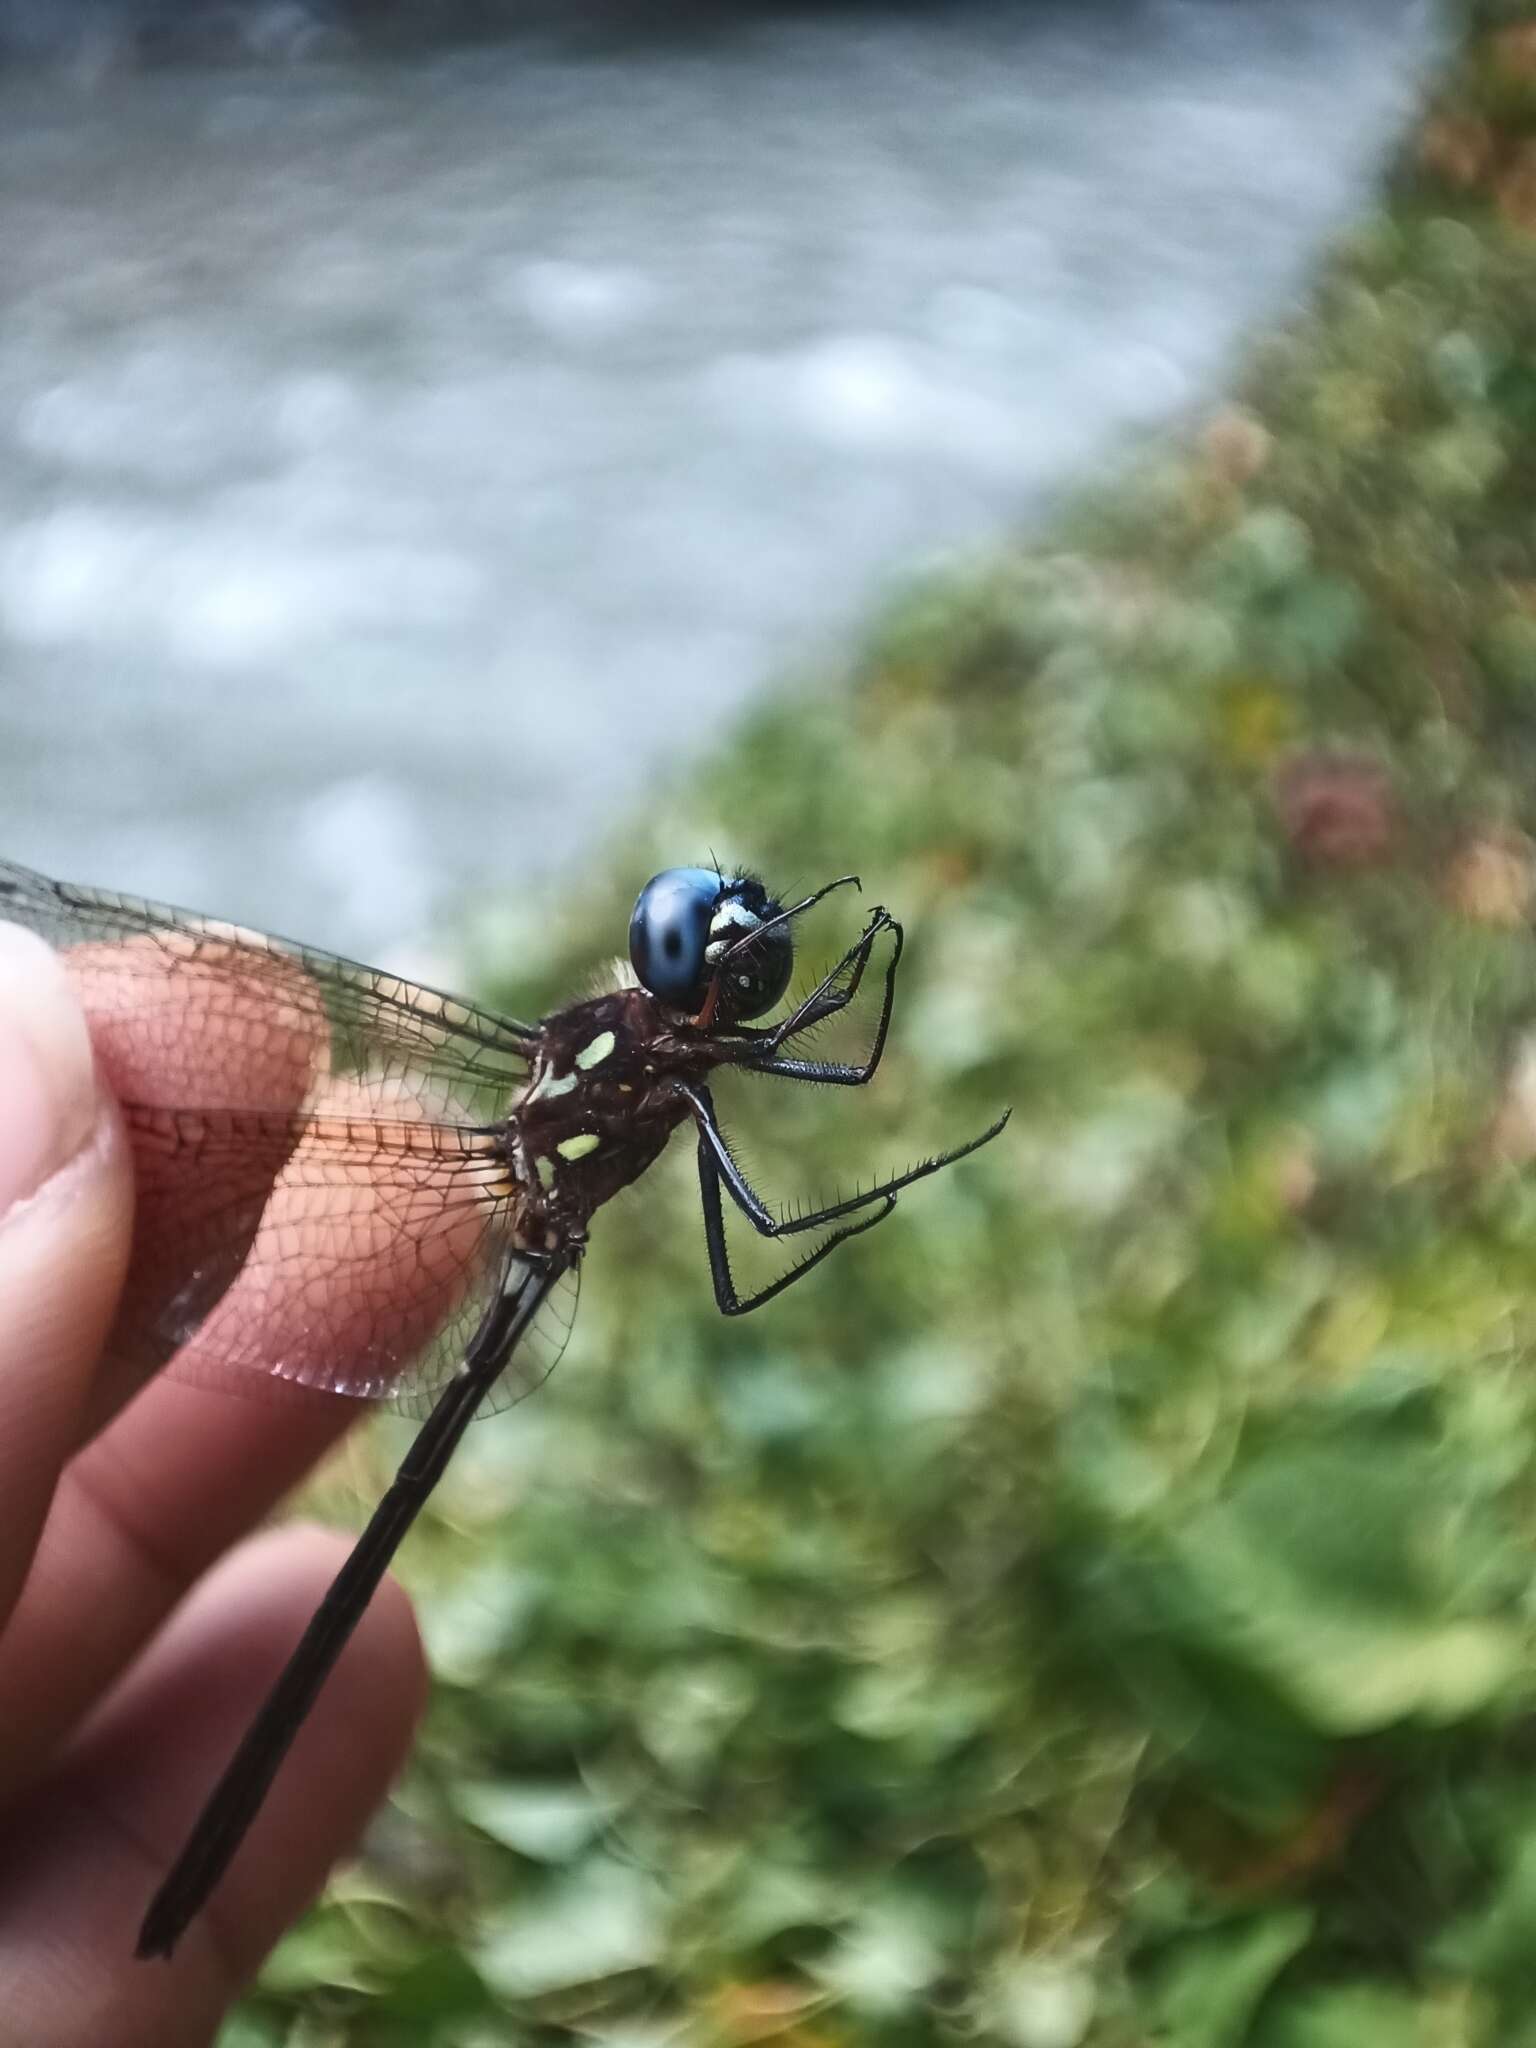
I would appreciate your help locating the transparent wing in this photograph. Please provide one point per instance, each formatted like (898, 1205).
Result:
(322, 1196)
(353, 1019)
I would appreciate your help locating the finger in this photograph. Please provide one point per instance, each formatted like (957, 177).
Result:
(137, 1517)
(170, 1038)
(128, 1528)
(335, 1259)
(181, 1018)
(79, 1861)
(373, 1234)
(65, 1211)
(320, 1227)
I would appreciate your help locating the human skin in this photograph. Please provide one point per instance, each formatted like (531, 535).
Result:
(139, 1620)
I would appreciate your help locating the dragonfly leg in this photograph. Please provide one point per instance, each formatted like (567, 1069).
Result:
(714, 1149)
(824, 1001)
(793, 910)
(727, 1300)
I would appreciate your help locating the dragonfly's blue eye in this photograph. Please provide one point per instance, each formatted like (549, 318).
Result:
(686, 928)
(669, 932)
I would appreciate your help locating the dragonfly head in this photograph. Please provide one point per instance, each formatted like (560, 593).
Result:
(707, 944)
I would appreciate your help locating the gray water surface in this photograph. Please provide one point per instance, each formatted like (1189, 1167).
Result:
(402, 461)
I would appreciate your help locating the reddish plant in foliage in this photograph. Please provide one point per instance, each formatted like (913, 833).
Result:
(1337, 810)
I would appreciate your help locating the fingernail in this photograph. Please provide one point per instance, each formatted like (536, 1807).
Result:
(47, 1076)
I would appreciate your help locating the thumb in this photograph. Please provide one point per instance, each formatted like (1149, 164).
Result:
(65, 1214)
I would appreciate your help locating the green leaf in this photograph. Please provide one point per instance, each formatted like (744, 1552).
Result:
(1038, 2002)
(443, 1984)
(550, 1822)
(1205, 1989)
(1348, 1580)
(883, 1963)
(603, 1919)
(1355, 2016)
(323, 1950)
(245, 2029)
(766, 1897)
(1496, 1944)
(476, 1617)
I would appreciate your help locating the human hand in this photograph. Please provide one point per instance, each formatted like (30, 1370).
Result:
(120, 1700)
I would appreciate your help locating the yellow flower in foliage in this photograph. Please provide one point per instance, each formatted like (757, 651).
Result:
(1349, 408)
(1256, 721)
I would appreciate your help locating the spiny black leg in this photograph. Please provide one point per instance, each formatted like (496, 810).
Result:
(756, 1210)
(712, 1145)
(847, 1073)
(836, 1073)
(827, 998)
(793, 910)
(824, 1001)
(727, 1300)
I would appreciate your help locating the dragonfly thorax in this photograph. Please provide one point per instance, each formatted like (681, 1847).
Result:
(599, 1107)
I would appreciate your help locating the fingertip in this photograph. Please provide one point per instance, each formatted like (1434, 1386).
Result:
(206, 1677)
(81, 1858)
(48, 1093)
(65, 1219)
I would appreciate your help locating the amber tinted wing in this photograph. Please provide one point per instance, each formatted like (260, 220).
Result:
(367, 1021)
(321, 1194)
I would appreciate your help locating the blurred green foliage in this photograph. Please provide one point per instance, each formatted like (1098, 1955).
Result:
(1095, 1610)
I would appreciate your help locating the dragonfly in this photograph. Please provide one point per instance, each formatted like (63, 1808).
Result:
(384, 1191)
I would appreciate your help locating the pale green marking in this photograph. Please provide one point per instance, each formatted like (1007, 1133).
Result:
(579, 1146)
(594, 1054)
(545, 1169)
(547, 1085)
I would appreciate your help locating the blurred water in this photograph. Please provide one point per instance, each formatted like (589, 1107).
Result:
(399, 461)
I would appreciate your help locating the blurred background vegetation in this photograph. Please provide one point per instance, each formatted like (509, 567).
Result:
(1097, 1610)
